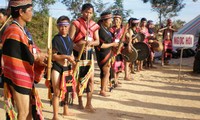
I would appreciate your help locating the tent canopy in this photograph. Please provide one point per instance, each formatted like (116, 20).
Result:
(192, 27)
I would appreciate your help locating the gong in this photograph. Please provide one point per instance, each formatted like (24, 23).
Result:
(142, 50)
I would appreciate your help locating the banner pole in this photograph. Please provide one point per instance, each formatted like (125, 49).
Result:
(181, 59)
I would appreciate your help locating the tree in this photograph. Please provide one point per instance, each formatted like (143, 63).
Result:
(178, 24)
(43, 5)
(166, 8)
(38, 28)
(100, 6)
(39, 24)
(119, 8)
(74, 6)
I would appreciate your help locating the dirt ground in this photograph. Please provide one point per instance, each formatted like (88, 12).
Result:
(154, 94)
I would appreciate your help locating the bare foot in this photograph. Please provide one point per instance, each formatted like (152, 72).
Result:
(127, 79)
(117, 85)
(55, 118)
(103, 94)
(119, 82)
(153, 67)
(68, 114)
(141, 69)
(90, 108)
(80, 106)
(138, 70)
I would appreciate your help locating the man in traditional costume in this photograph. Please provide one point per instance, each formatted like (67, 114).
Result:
(168, 33)
(84, 32)
(63, 60)
(22, 64)
(104, 51)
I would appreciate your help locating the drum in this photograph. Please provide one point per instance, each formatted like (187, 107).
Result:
(157, 46)
(142, 49)
(139, 36)
(129, 56)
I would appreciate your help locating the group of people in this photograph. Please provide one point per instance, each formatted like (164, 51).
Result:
(73, 50)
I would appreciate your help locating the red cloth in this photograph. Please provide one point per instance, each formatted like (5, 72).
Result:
(80, 23)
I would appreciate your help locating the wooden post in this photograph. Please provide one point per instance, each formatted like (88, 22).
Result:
(181, 59)
(49, 49)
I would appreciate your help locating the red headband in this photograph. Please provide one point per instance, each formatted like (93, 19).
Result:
(106, 16)
(117, 16)
(135, 21)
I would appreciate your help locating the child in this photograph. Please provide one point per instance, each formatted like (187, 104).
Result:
(62, 47)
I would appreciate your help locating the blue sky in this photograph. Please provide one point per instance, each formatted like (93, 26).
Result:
(139, 9)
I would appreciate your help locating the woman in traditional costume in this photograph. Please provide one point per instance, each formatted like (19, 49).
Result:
(145, 32)
(117, 31)
(104, 51)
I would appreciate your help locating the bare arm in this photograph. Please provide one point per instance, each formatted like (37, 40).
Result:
(162, 29)
(1, 45)
(72, 31)
(172, 29)
(130, 36)
(94, 42)
(107, 45)
(56, 57)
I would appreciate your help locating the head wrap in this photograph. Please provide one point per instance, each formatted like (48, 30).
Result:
(117, 16)
(17, 3)
(63, 24)
(150, 22)
(103, 17)
(135, 20)
(169, 21)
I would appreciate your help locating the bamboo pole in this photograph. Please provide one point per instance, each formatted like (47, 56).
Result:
(87, 34)
(78, 59)
(82, 50)
(49, 49)
(5, 22)
(121, 40)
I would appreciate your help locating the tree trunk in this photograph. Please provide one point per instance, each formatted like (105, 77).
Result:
(160, 19)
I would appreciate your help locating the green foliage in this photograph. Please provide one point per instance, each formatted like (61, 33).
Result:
(119, 8)
(166, 8)
(74, 6)
(178, 24)
(43, 5)
(38, 28)
(100, 6)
